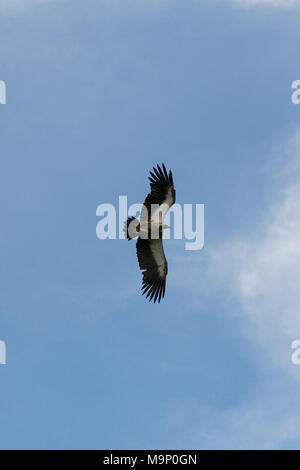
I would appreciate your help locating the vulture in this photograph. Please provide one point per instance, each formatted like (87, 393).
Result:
(149, 232)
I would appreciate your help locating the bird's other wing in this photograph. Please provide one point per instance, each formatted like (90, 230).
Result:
(153, 262)
(161, 197)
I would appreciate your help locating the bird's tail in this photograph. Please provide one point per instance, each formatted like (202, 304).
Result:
(131, 228)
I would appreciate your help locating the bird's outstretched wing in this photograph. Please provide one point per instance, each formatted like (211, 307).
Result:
(152, 260)
(161, 197)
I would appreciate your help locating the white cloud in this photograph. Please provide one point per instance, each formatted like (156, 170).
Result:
(261, 270)
(259, 275)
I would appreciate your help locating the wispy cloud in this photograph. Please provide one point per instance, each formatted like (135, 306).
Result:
(17, 6)
(258, 273)
(14, 6)
(267, 422)
(275, 3)
(261, 270)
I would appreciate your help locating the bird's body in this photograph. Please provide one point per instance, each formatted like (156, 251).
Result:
(149, 230)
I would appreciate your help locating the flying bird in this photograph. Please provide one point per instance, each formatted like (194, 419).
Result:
(149, 230)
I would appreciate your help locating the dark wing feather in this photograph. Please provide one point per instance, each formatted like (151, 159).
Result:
(162, 192)
(153, 263)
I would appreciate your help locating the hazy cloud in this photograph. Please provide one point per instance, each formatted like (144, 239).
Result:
(275, 3)
(14, 6)
(258, 274)
(261, 270)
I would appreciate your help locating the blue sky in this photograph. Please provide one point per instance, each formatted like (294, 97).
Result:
(97, 93)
